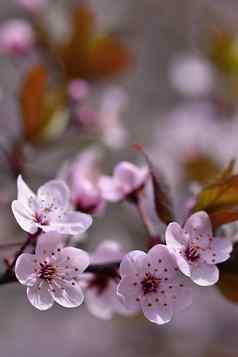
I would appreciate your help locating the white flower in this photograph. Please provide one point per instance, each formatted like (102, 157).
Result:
(52, 273)
(48, 210)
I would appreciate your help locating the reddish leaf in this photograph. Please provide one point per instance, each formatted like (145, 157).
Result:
(223, 217)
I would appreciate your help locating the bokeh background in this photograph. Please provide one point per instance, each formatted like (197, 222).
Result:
(156, 31)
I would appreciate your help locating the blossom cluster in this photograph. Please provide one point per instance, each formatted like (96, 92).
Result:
(158, 282)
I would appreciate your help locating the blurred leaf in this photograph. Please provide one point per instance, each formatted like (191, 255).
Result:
(201, 169)
(32, 100)
(90, 55)
(223, 217)
(162, 201)
(39, 104)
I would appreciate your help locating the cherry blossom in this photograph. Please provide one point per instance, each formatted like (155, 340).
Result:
(100, 296)
(126, 180)
(52, 273)
(152, 283)
(196, 250)
(82, 177)
(16, 37)
(48, 210)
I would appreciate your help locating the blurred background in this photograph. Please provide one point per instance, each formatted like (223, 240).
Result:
(176, 78)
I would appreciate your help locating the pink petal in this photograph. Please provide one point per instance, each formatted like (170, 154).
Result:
(175, 237)
(199, 228)
(39, 296)
(129, 290)
(24, 217)
(129, 175)
(75, 258)
(71, 223)
(218, 252)
(55, 191)
(48, 243)
(24, 193)
(205, 274)
(24, 269)
(111, 190)
(159, 312)
(180, 293)
(160, 263)
(68, 295)
(132, 263)
(183, 264)
(107, 251)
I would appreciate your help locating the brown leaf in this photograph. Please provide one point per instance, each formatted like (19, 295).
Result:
(89, 54)
(162, 201)
(32, 101)
(223, 217)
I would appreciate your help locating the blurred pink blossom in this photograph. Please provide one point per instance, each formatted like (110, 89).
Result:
(191, 75)
(100, 296)
(34, 6)
(48, 210)
(152, 283)
(196, 250)
(78, 89)
(82, 177)
(126, 180)
(52, 273)
(16, 37)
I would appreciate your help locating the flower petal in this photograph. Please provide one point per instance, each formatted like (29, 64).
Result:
(107, 251)
(199, 228)
(129, 175)
(132, 263)
(159, 312)
(129, 291)
(111, 190)
(24, 193)
(175, 237)
(71, 223)
(39, 296)
(48, 243)
(75, 258)
(205, 274)
(68, 295)
(23, 217)
(55, 192)
(219, 251)
(24, 269)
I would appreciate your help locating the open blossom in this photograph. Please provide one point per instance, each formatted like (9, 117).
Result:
(152, 283)
(16, 37)
(126, 180)
(82, 178)
(52, 273)
(48, 210)
(196, 250)
(101, 289)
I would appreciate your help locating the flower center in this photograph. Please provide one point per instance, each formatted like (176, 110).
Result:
(47, 271)
(192, 253)
(150, 284)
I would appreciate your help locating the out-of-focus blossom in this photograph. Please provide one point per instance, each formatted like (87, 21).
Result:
(196, 250)
(78, 89)
(34, 6)
(52, 273)
(48, 210)
(152, 283)
(127, 179)
(105, 118)
(191, 75)
(82, 177)
(16, 37)
(100, 296)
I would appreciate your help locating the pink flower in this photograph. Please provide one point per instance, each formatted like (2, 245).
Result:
(196, 250)
(101, 289)
(52, 273)
(126, 180)
(34, 6)
(78, 89)
(48, 210)
(152, 283)
(82, 178)
(16, 37)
